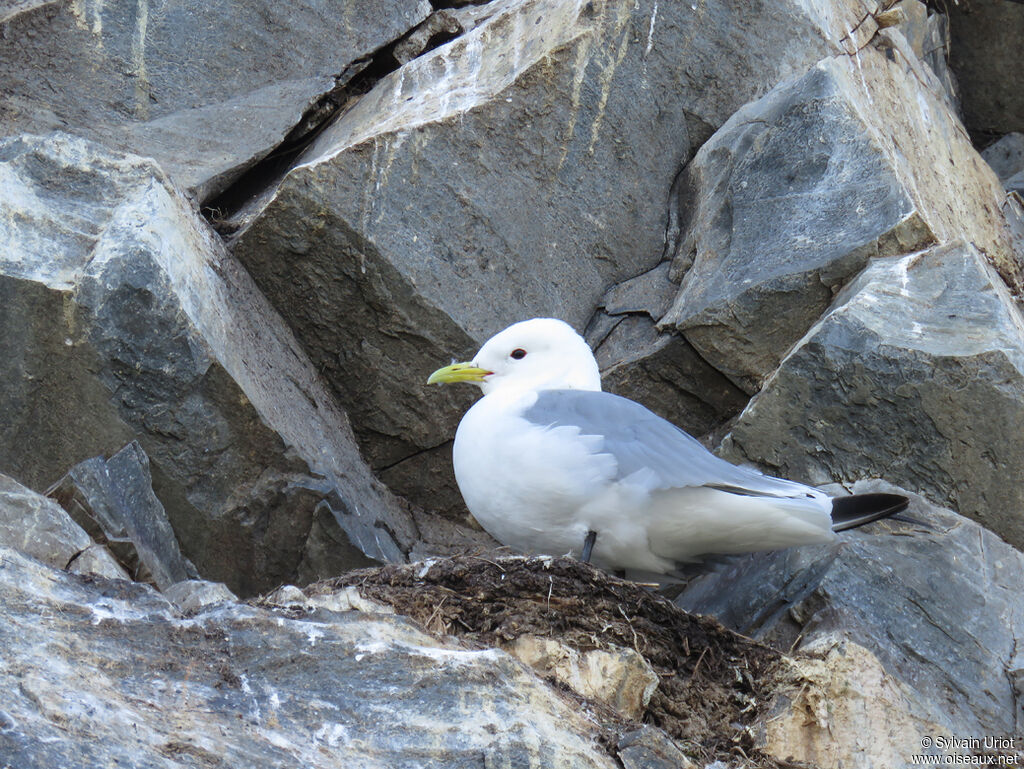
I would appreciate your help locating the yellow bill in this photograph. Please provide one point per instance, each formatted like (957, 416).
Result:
(458, 372)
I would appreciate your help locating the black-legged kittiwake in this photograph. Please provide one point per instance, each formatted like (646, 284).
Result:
(550, 464)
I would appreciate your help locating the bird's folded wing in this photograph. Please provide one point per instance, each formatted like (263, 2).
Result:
(641, 441)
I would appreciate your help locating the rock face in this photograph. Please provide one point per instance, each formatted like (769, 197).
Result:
(38, 527)
(330, 676)
(937, 603)
(766, 217)
(986, 55)
(928, 350)
(419, 224)
(842, 710)
(205, 110)
(1006, 157)
(661, 370)
(767, 236)
(125, 319)
(113, 501)
(619, 677)
(124, 678)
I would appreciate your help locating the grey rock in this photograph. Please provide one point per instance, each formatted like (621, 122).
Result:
(111, 674)
(327, 550)
(445, 536)
(937, 602)
(650, 748)
(206, 110)
(1006, 157)
(917, 375)
(650, 293)
(767, 235)
(935, 53)
(442, 24)
(38, 527)
(1016, 183)
(987, 56)
(194, 595)
(418, 224)
(113, 501)
(662, 371)
(124, 319)
(287, 596)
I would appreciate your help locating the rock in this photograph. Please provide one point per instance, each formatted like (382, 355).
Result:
(662, 371)
(287, 596)
(113, 501)
(444, 536)
(194, 595)
(335, 599)
(38, 527)
(767, 236)
(417, 225)
(442, 24)
(648, 748)
(842, 710)
(938, 603)
(927, 32)
(618, 677)
(916, 374)
(327, 550)
(1006, 157)
(935, 53)
(987, 57)
(112, 674)
(205, 111)
(125, 319)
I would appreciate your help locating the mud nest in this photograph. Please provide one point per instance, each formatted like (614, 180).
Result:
(713, 682)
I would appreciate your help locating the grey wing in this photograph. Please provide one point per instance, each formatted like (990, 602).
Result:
(641, 440)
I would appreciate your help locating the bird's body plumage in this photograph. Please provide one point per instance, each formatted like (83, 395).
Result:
(565, 477)
(545, 457)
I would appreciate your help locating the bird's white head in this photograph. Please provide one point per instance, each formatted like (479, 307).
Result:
(538, 354)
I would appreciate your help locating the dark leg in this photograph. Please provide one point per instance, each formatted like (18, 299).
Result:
(588, 546)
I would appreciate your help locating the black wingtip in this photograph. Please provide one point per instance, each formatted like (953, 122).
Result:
(859, 509)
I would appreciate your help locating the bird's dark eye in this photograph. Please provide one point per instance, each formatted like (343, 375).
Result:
(519, 353)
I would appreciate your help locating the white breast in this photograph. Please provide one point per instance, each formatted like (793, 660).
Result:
(527, 485)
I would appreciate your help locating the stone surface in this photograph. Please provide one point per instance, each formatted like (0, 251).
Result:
(620, 678)
(125, 319)
(842, 710)
(1006, 157)
(917, 375)
(662, 371)
(38, 527)
(659, 369)
(938, 603)
(927, 32)
(193, 595)
(123, 679)
(442, 24)
(418, 224)
(766, 236)
(113, 501)
(648, 748)
(987, 56)
(205, 110)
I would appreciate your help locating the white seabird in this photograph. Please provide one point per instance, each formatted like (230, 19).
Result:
(549, 464)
